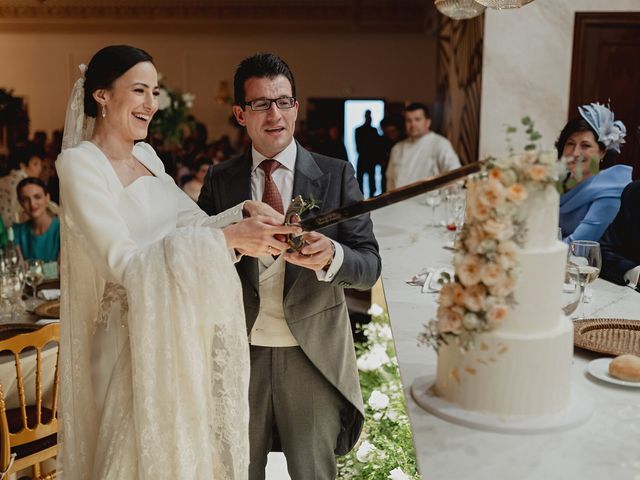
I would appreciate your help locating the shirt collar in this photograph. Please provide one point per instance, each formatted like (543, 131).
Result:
(286, 157)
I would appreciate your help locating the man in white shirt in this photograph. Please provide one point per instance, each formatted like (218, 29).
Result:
(304, 393)
(422, 154)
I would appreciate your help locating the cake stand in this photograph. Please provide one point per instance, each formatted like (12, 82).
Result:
(578, 411)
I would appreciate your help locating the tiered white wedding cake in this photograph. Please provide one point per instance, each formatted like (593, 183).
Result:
(504, 345)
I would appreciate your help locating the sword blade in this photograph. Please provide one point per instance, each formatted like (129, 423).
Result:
(394, 196)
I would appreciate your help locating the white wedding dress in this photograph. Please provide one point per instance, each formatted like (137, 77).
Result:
(154, 352)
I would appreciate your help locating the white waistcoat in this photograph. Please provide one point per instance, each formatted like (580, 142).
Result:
(270, 328)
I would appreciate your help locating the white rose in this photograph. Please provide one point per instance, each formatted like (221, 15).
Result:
(164, 100)
(365, 452)
(377, 416)
(375, 310)
(398, 474)
(378, 400)
(393, 415)
(188, 99)
(385, 333)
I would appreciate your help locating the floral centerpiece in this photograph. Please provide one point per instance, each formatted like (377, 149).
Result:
(172, 119)
(480, 295)
(385, 449)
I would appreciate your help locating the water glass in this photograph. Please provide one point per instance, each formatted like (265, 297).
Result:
(433, 199)
(586, 257)
(571, 290)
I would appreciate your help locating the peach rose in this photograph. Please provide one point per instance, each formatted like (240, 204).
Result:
(475, 235)
(474, 297)
(468, 270)
(497, 313)
(477, 209)
(501, 231)
(492, 194)
(491, 273)
(449, 320)
(496, 174)
(516, 193)
(507, 255)
(503, 287)
(538, 172)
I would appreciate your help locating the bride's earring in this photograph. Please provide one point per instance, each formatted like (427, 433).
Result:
(104, 110)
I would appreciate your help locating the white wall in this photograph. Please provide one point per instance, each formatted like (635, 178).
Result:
(43, 66)
(527, 67)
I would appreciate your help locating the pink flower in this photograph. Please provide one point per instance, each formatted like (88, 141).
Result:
(468, 270)
(449, 320)
(538, 172)
(492, 273)
(477, 209)
(497, 313)
(447, 295)
(474, 297)
(516, 193)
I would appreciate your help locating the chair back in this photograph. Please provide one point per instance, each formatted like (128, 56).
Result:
(36, 421)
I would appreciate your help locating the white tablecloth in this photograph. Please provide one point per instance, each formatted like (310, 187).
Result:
(607, 446)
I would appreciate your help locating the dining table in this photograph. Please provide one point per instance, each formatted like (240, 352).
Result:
(604, 446)
(24, 322)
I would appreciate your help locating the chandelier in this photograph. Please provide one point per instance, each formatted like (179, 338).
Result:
(460, 9)
(502, 4)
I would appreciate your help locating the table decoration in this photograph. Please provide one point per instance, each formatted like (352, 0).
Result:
(613, 336)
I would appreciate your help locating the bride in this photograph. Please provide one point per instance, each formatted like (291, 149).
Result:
(154, 353)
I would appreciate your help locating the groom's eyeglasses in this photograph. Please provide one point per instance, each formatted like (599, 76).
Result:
(261, 104)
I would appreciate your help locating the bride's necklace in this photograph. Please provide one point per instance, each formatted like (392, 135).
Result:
(130, 163)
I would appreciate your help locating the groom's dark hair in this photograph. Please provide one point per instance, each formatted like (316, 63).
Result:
(105, 67)
(260, 65)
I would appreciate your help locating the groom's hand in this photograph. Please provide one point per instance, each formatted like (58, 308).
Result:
(316, 255)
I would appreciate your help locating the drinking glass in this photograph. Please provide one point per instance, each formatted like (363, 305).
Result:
(433, 200)
(571, 290)
(586, 257)
(34, 275)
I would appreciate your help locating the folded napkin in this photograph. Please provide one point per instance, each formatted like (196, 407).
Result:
(49, 293)
(431, 279)
(47, 321)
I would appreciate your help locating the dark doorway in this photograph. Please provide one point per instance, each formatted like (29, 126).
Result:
(606, 67)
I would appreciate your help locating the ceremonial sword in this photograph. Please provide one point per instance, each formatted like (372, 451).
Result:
(356, 209)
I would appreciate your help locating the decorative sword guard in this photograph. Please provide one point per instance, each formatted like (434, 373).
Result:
(298, 205)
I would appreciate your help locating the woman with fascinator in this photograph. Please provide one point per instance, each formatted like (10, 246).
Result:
(154, 353)
(592, 197)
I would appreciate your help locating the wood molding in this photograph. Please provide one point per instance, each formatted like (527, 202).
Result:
(459, 82)
(409, 16)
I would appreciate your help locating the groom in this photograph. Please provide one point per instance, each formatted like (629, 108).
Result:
(304, 392)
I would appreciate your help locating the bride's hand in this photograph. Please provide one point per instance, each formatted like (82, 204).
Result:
(253, 208)
(256, 236)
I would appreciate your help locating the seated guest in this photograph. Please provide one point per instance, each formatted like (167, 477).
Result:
(25, 161)
(200, 169)
(39, 237)
(592, 198)
(422, 154)
(620, 244)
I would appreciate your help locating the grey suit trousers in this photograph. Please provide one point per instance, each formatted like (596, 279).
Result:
(289, 395)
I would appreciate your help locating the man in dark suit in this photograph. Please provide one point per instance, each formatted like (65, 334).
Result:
(304, 386)
(367, 144)
(620, 243)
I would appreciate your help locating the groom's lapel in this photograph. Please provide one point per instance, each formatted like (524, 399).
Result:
(308, 181)
(236, 185)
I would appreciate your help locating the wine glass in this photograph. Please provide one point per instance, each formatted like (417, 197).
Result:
(586, 257)
(433, 199)
(34, 275)
(571, 290)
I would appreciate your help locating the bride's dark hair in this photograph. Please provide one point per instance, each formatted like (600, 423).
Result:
(105, 67)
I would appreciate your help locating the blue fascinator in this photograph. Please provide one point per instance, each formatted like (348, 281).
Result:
(610, 132)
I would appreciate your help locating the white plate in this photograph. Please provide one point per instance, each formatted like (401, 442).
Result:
(599, 368)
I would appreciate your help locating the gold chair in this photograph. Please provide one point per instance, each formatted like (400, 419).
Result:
(28, 433)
